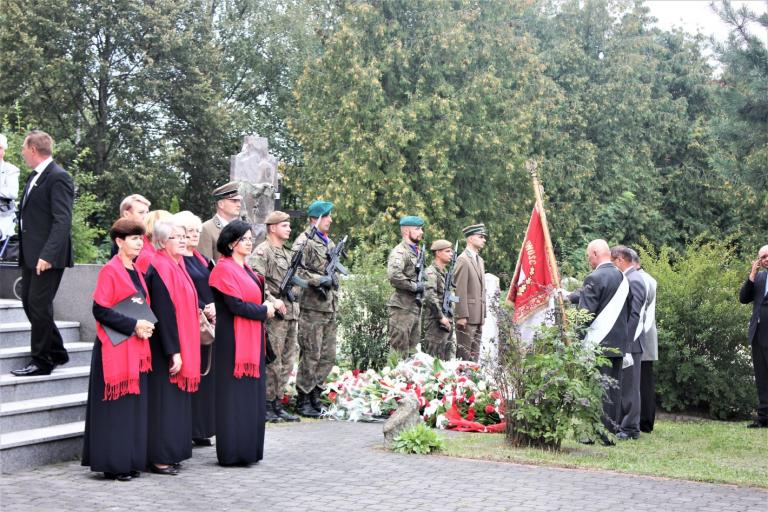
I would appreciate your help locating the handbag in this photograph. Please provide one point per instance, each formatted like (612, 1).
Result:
(207, 335)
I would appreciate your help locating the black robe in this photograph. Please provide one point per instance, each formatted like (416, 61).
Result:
(115, 439)
(240, 403)
(170, 408)
(203, 423)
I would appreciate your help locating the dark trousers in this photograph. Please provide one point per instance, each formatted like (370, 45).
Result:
(760, 361)
(647, 397)
(37, 294)
(630, 397)
(612, 397)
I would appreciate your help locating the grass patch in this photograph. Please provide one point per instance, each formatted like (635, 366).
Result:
(704, 451)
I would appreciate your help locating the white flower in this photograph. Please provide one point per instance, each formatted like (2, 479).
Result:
(441, 421)
(481, 385)
(335, 370)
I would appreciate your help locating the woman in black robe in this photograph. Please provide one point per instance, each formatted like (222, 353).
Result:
(175, 351)
(199, 268)
(240, 349)
(115, 440)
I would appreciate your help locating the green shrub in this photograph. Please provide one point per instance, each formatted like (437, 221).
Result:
(554, 385)
(704, 360)
(363, 313)
(419, 439)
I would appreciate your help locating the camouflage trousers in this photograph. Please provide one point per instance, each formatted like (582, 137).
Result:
(437, 341)
(404, 329)
(283, 340)
(468, 342)
(317, 346)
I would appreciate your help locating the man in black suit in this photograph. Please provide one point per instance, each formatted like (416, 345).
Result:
(629, 426)
(45, 249)
(605, 294)
(754, 290)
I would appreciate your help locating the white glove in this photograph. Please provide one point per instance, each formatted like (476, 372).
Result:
(628, 361)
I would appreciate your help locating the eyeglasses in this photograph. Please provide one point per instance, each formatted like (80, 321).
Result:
(178, 237)
(246, 240)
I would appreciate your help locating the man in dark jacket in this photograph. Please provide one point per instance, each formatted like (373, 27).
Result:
(606, 294)
(45, 249)
(754, 290)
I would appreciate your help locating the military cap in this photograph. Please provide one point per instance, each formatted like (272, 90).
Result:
(319, 209)
(411, 220)
(226, 191)
(475, 229)
(276, 217)
(439, 245)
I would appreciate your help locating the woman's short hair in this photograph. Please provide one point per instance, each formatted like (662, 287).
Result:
(188, 219)
(126, 204)
(231, 233)
(152, 217)
(162, 230)
(123, 228)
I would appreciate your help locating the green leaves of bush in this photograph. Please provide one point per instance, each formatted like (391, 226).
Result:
(418, 439)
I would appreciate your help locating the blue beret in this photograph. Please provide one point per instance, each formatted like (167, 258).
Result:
(411, 220)
(319, 209)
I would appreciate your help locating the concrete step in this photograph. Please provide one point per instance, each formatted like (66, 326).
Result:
(16, 334)
(36, 447)
(64, 380)
(11, 311)
(17, 357)
(42, 412)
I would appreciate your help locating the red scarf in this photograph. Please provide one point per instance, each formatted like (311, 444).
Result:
(235, 280)
(121, 363)
(145, 256)
(184, 300)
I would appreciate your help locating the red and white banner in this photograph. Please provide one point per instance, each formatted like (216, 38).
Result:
(532, 285)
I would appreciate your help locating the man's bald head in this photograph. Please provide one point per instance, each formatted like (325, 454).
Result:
(598, 252)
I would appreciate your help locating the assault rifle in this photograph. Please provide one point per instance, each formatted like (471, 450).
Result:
(421, 275)
(334, 265)
(290, 279)
(448, 297)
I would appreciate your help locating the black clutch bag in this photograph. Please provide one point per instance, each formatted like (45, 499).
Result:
(135, 307)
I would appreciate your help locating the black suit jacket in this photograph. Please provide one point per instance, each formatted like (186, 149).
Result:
(46, 219)
(599, 287)
(754, 293)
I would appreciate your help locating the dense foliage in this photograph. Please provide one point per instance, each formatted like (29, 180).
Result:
(704, 359)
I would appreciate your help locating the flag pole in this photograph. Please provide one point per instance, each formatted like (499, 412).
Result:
(531, 167)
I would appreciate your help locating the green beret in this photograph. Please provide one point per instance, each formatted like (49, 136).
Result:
(439, 245)
(276, 217)
(319, 209)
(227, 191)
(411, 220)
(475, 229)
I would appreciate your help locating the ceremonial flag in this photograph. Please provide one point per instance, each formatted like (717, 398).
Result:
(532, 285)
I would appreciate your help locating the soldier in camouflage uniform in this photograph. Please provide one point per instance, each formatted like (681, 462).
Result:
(272, 259)
(317, 322)
(404, 311)
(438, 332)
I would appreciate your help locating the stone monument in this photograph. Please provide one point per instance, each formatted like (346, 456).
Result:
(256, 170)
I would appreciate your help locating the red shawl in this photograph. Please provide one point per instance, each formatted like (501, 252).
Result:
(122, 363)
(184, 301)
(235, 280)
(145, 256)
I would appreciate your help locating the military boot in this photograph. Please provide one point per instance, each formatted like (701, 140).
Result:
(314, 399)
(304, 407)
(271, 416)
(282, 413)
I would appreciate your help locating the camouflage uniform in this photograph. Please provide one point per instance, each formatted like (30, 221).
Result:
(437, 341)
(403, 309)
(317, 322)
(273, 262)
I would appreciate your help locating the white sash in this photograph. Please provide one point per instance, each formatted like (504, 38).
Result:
(650, 310)
(641, 321)
(603, 323)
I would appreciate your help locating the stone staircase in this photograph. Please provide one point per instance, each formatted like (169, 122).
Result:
(41, 417)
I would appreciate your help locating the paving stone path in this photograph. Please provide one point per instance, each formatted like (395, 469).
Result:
(331, 466)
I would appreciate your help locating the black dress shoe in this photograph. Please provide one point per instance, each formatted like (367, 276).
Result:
(31, 369)
(135, 474)
(61, 361)
(121, 477)
(170, 470)
(202, 441)
(758, 424)
(624, 436)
